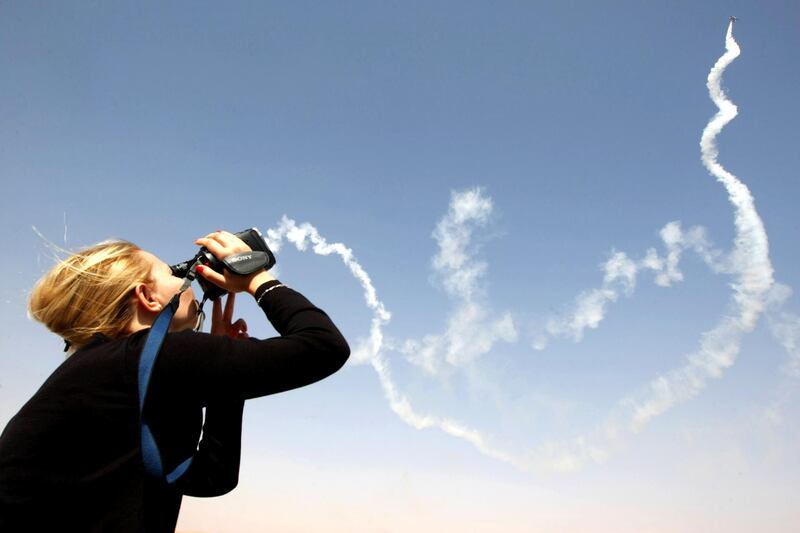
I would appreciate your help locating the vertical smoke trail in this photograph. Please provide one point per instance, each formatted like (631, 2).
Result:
(752, 271)
(751, 251)
(750, 265)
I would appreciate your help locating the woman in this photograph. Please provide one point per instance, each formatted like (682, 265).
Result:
(70, 459)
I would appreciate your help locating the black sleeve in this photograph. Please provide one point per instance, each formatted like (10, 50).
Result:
(215, 465)
(198, 368)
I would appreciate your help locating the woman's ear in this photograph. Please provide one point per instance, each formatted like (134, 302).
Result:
(146, 298)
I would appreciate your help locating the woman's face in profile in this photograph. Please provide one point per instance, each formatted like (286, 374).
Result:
(165, 286)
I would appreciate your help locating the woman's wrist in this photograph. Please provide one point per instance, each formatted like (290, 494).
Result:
(257, 280)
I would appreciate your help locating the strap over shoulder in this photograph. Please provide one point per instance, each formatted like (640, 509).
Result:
(151, 455)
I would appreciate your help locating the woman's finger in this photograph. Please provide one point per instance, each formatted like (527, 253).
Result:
(214, 246)
(220, 237)
(211, 275)
(232, 242)
(229, 307)
(239, 329)
(216, 312)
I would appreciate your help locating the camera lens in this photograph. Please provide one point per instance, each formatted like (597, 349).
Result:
(180, 270)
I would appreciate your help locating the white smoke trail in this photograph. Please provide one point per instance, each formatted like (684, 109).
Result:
(620, 276)
(461, 273)
(785, 327)
(748, 263)
(471, 332)
(370, 349)
(303, 235)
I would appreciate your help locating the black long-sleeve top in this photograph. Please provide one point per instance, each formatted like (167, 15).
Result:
(70, 459)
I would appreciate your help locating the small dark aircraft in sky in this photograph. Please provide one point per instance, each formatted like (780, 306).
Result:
(734, 19)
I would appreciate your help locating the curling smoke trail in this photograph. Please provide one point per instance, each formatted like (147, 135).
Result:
(472, 331)
(589, 308)
(748, 262)
(370, 349)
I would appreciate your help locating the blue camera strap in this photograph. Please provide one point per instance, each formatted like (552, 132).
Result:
(155, 338)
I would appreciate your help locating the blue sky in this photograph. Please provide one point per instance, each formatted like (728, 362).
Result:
(577, 123)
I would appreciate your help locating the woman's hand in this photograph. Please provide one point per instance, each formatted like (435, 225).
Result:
(222, 244)
(221, 321)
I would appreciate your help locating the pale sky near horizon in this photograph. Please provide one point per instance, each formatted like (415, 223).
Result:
(485, 164)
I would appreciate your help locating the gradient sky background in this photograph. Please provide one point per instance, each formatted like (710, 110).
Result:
(579, 121)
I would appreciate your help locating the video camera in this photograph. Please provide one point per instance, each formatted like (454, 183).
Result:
(242, 263)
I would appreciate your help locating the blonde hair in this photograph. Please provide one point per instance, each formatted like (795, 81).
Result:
(90, 292)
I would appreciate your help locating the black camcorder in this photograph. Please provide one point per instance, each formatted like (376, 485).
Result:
(243, 263)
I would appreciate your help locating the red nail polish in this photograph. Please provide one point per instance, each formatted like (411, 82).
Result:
(200, 268)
